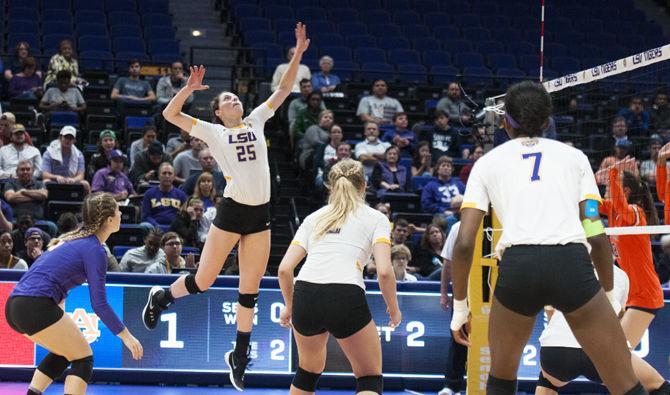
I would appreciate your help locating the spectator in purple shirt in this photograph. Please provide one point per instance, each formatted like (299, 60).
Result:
(36, 306)
(26, 84)
(112, 179)
(63, 162)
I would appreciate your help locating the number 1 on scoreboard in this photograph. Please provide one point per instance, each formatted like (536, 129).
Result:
(172, 341)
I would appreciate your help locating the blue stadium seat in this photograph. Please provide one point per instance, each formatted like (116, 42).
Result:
(89, 17)
(404, 17)
(417, 31)
(57, 16)
(344, 14)
(571, 38)
(96, 60)
(94, 43)
(459, 7)
(426, 6)
(565, 64)
(375, 70)
(51, 42)
(555, 49)
(165, 47)
(529, 62)
(501, 60)
(19, 26)
(425, 44)
(633, 41)
(88, 5)
(311, 14)
(446, 33)
(361, 41)
(122, 58)
(477, 76)
(375, 17)
(398, 5)
(490, 47)
(436, 58)
(444, 74)
(301, 3)
(466, 20)
(436, 19)
(254, 37)
(469, 59)
(321, 26)
(369, 55)
(476, 34)
(91, 29)
(507, 35)
(125, 31)
(329, 3)
(62, 118)
(352, 28)
(127, 18)
(523, 23)
(602, 39)
(23, 14)
(369, 4)
(520, 48)
(403, 56)
(55, 5)
(34, 4)
(346, 70)
(156, 32)
(252, 23)
(329, 40)
(278, 11)
(128, 44)
(56, 28)
(457, 46)
(384, 30)
(246, 11)
(338, 53)
(393, 42)
(583, 51)
(138, 122)
(281, 25)
(120, 5)
(156, 6)
(485, 8)
(31, 38)
(509, 76)
(267, 50)
(575, 12)
(412, 74)
(495, 21)
(287, 39)
(165, 58)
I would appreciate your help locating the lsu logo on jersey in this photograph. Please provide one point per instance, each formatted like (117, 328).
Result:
(87, 323)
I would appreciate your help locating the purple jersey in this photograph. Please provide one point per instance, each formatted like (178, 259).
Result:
(71, 264)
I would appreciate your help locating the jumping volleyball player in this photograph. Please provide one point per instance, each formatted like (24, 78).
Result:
(239, 147)
(329, 294)
(563, 360)
(545, 194)
(35, 307)
(630, 204)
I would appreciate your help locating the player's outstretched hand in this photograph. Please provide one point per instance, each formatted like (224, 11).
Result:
(664, 153)
(285, 318)
(195, 79)
(301, 40)
(133, 345)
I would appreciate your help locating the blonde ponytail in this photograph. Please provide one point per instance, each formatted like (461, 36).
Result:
(346, 180)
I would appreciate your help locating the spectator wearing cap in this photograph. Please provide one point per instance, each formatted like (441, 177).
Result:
(63, 162)
(622, 149)
(648, 167)
(145, 168)
(161, 204)
(112, 179)
(208, 164)
(637, 119)
(64, 96)
(18, 150)
(303, 73)
(25, 193)
(34, 246)
(24, 222)
(324, 81)
(188, 161)
(140, 145)
(106, 144)
(27, 84)
(378, 107)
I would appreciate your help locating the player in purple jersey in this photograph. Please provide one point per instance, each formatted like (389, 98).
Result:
(35, 307)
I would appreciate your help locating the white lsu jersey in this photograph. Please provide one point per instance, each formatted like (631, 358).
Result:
(535, 186)
(558, 332)
(339, 256)
(242, 154)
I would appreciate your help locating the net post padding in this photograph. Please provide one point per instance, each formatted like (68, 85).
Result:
(481, 283)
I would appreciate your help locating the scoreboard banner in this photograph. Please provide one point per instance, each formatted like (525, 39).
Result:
(195, 333)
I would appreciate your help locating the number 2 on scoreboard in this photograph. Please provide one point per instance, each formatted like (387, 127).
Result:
(535, 176)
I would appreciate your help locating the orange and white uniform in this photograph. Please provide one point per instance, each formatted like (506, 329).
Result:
(663, 191)
(632, 252)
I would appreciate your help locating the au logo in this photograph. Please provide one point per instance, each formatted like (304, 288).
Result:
(87, 323)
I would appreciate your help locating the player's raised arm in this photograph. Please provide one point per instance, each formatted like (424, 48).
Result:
(287, 81)
(172, 111)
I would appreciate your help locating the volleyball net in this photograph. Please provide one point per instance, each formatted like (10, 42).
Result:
(617, 114)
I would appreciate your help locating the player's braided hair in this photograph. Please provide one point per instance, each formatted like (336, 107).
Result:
(346, 181)
(95, 210)
(529, 105)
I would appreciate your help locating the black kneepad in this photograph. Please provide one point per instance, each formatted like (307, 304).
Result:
(306, 381)
(496, 386)
(662, 390)
(544, 382)
(638, 389)
(53, 365)
(82, 368)
(247, 300)
(191, 285)
(370, 383)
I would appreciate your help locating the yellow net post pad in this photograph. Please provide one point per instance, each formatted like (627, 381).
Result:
(481, 283)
